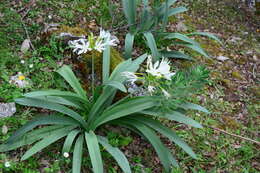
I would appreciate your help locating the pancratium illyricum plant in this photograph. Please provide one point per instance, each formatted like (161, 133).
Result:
(98, 43)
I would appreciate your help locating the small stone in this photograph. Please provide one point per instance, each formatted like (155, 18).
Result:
(181, 27)
(7, 109)
(25, 45)
(222, 58)
(4, 130)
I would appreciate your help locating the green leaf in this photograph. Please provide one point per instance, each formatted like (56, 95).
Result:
(41, 120)
(51, 106)
(109, 92)
(116, 153)
(175, 116)
(69, 76)
(94, 152)
(152, 45)
(129, 43)
(206, 34)
(150, 135)
(116, 85)
(194, 107)
(106, 64)
(181, 37)
(175, 54)
(77, 155)
(56, 135)
(177, 10)
(69, 141)
(131, 106)
(62, 101)
(30, 138)
(195, 47)
(129, 8)
(156, 125)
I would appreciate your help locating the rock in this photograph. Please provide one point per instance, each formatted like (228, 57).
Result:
(222, 58)
(181, 27)
(4, 130)
(25, 45)
(7, 109)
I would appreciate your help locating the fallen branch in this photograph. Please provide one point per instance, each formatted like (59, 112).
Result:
(231, 134)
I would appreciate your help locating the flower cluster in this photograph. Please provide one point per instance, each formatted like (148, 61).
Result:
(99, 43)
(19, 80)
(155, 78)
(159, 69)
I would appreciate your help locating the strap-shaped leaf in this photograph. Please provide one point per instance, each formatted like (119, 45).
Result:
(56, 135)
(129, 43)
(116, 153)
(70, 77)
(129, 8)
(181, 37)
(63, 101)
(175, 54)
(152, 45)
(150, 135)
(69, 140)
(117, 85)
(94, 152)
(156, 125)
(175, 116)
(106, 64)
(177, 10)
(206, 34)
(42, 120)
(66, 94)
(30, 138)
(109, 92)
(193, 106)
(77, 154)
(131, 106)
(51, 106)
(195, 47)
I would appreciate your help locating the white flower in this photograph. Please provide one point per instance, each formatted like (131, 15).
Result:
(108, 38)
(159, 69)
(151, 89)
(104, 34)
(7, 164)
(99, 46)
(31, 66)
(66, 154)
(112, 42)
(80, 46)
(22, 61)
(131, 77)
(166, 94)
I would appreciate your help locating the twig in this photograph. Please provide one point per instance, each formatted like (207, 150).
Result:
(27, 34)
(231, 134)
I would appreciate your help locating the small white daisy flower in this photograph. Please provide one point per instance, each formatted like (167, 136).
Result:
(31, 66)
(66, 154)
(7, 164)
(22, 61)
